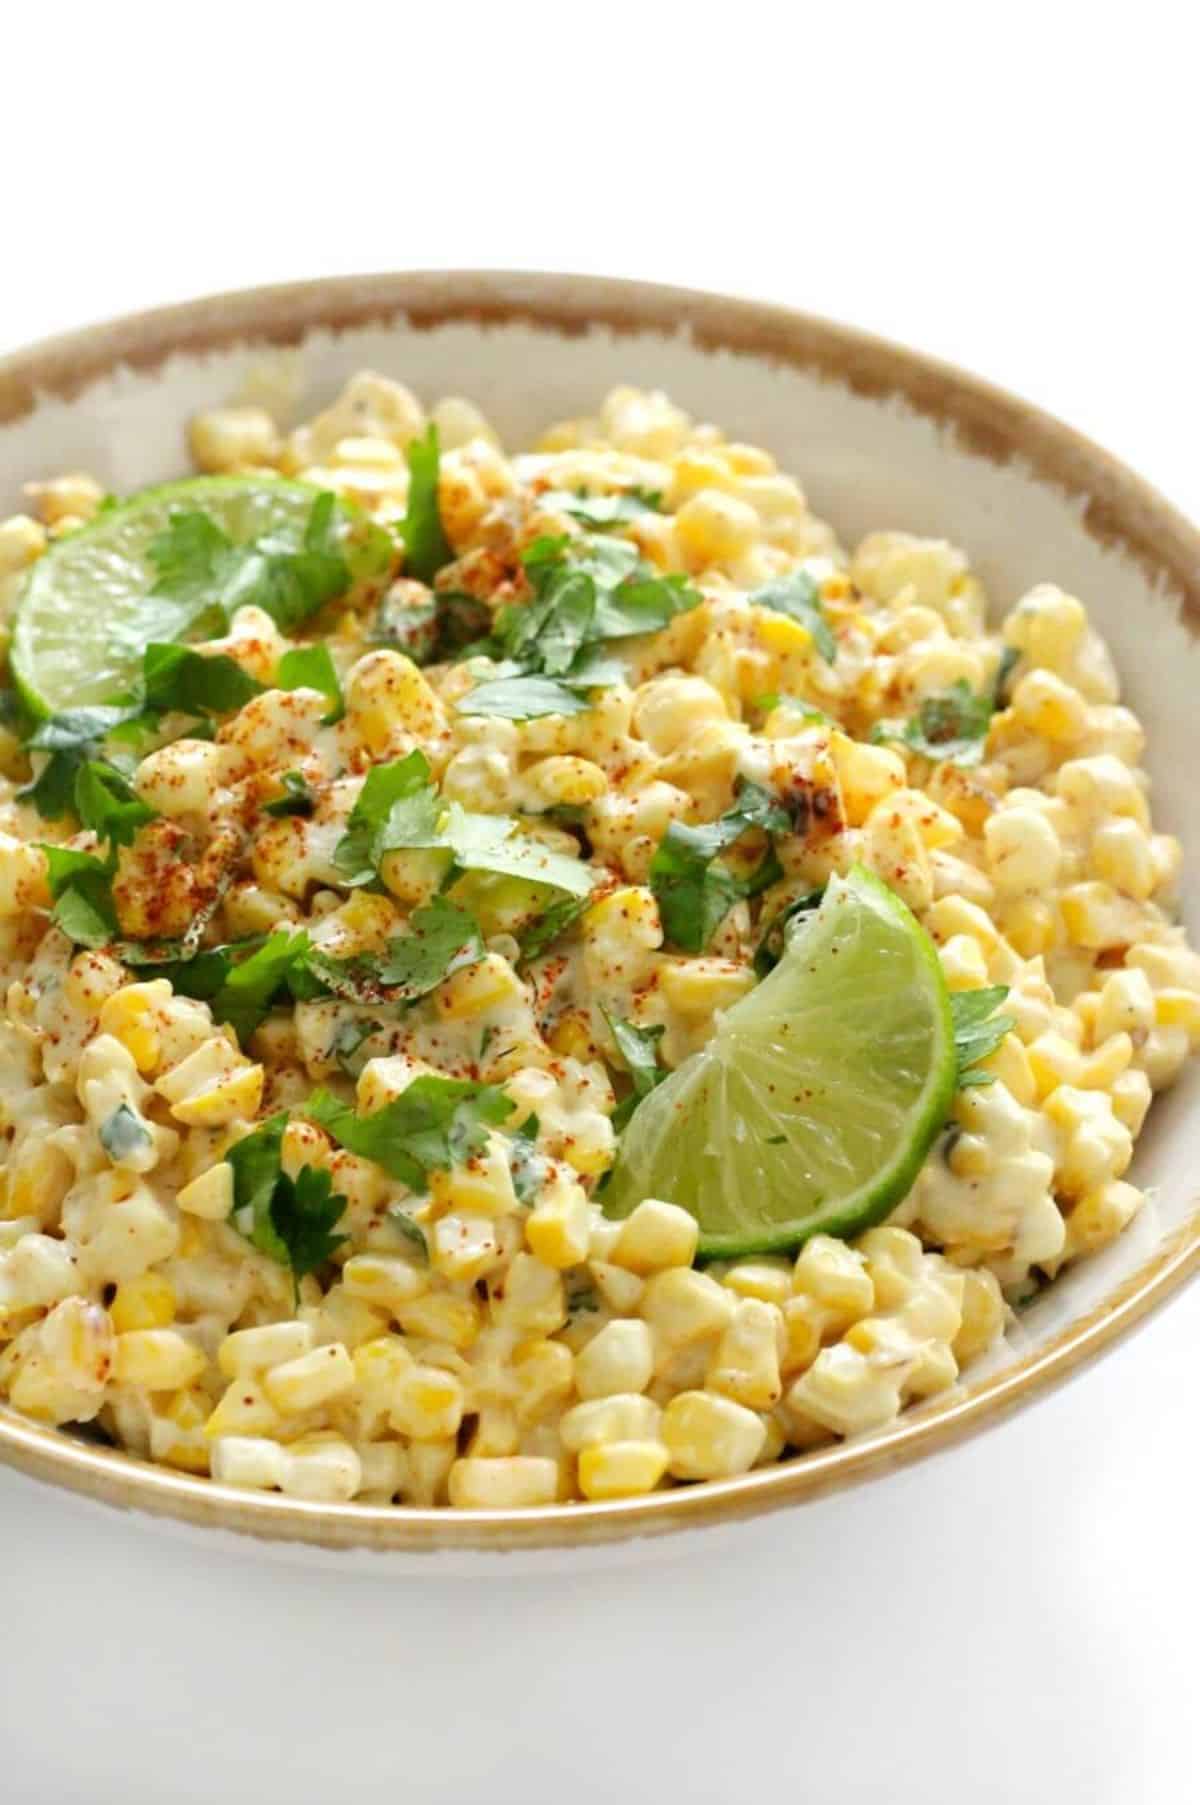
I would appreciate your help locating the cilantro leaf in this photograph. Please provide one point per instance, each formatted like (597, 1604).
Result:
(246, 993)
(123, 1133)
(1010, 658)
(694, 892)
(304, 1212)
(550, 924)
(289, 577)
(311, 667)
(492, 843)
(978, 1030)
(347, 1042)
(603, 512)
(643, 604)
(106, 803)
(70, 739)
(638, 1048)
(798, 595)
(176, 677)
(404, 781)
(426, 547)
(290, 1220)
(773, 937)
(443, 939)
(951, 726)
(522, 699)
(435, 1123)
(81, 885)
(411, 626)
(528, 1168)
(297, 798)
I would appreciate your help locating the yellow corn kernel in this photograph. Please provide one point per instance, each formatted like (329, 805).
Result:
(1176, 1008)
(1101, 1069)
(629, 914)
(314, 1378)
(568, 780)
(768, 1279)
(213, 1086)
(440, 1316)
(598, 1422)
(835, 1276)
(210, 1196)
(464, 1246)
(867, 775)
(982, 1314)
(620, 1358)
(129, 1017)
(249, 1351)
(1121, 854)
(1097, 917)
(1100, 1216)
(477, 989)
(514, 1483)
(557, 1228)
(709, 1437)
(698, 987)
(712, 527)
(543, 1376)
(426, 1404)
(531, 1298)
(682, 1306)
(158, 1359)
(481, 1187)
(572, 1037)
(1010, 1063)
(621, 1290)
(233, 438)
(745, 1366)
(180, 1439)
(243, 1409)
(1050, 708)
(1053, 1061)
(147, 1302)
(656, 1236)
(803, 1325)
(625, 1469)
(1130, 1096)
(1029, 925)
(385, 691)
(379, 1280)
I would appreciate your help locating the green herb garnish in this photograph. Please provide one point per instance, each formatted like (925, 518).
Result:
(798, 595)
(950, 727)
(426, 547)
(434, 1124)
(638, 1048)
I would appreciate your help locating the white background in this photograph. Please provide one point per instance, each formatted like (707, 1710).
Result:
(1013, 188)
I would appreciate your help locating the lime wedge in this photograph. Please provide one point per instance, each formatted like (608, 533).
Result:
(88, 609)
(815, 1103)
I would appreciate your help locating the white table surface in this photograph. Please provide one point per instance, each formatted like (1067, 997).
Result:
(1014, 1621)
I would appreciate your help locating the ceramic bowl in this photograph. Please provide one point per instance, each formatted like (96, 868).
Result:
(880, 437)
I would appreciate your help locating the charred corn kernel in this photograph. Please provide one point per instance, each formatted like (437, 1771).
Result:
(709, 1437)
(683, 1306)
(481, 1187)
(158, 1359)
(233, 438)
(655, 1236)
(213, 1086)
(598, 1422)
(249, 1351)
(146, 1302)
(768, 1279)
(543, 1378)
(379, 1280)
(317, 1377)
(697, 987)
(210, 1196)
(441, 1316)
(463, 1246)
(427, 1404)
(620, 1358)
(627, 1469)
(243, 1409)
(478, 988)
(556, 1229)
(516, 1483)
(745, 1366)
(834, 1276)
(1100, 1216)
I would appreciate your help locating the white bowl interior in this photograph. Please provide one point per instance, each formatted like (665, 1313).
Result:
(865, 463)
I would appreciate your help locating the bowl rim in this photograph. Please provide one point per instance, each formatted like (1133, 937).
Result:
(1117, 508)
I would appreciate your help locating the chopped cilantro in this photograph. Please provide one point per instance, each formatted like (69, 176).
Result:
(175, 677)
(71, 740)
(638, 1048)
(397, 800)
(527, 1166)
(106, 803)
(297, 798)
(435, 1123)
(539, 937)
(798, 595)
(694, 891)
(291, 1220)
(311, 667)
(978, 1030)
(522, 699)
(426, 548)
(773, 937)
(347, 1042)
(442, 939)
(951, 726)
(123, 1133)
(245, 995)
(603, 512)
(412, 1232)
(492, 843)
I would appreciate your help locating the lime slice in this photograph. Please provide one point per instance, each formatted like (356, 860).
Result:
(815, 1103)
(87, 610)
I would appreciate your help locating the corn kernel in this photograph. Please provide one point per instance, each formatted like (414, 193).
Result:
(708, 1437)
(627, 1469)
(147, 1302)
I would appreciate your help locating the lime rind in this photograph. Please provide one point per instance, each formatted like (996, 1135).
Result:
(815, 1104)
(86, 611)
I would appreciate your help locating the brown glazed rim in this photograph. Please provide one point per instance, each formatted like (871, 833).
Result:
(1117, 508)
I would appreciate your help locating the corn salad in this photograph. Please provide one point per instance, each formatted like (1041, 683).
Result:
(473, 1331)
